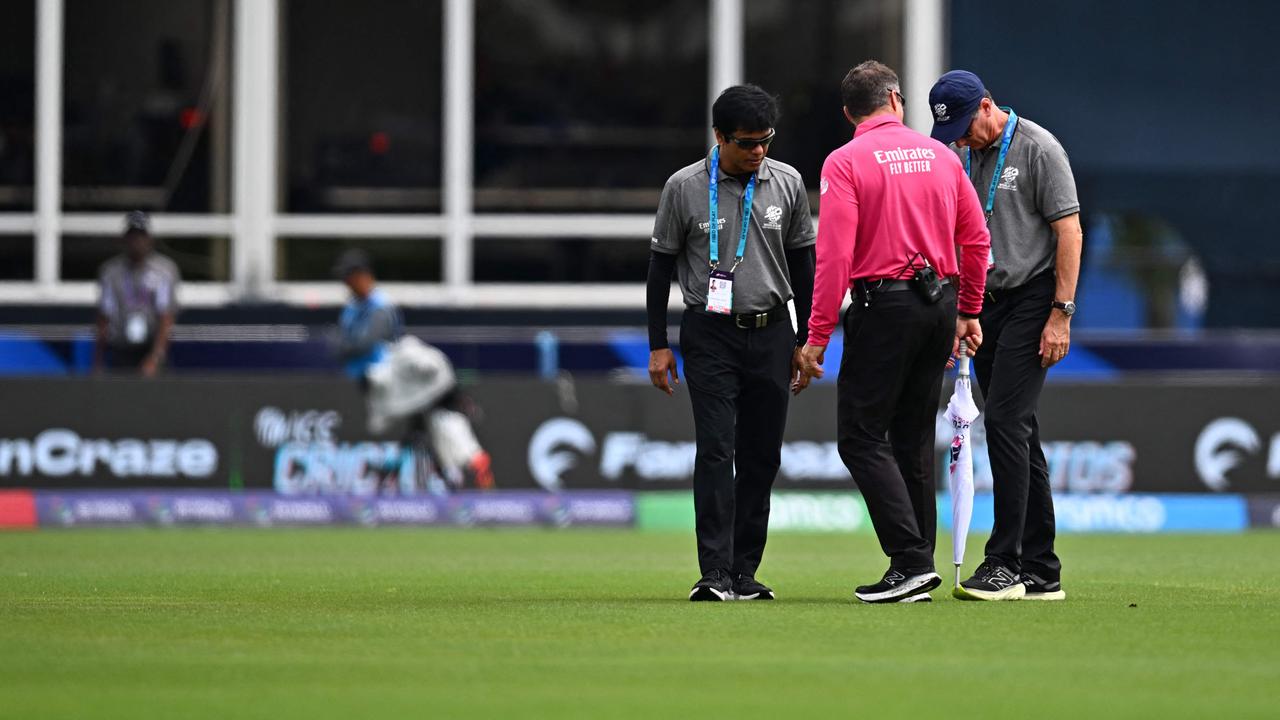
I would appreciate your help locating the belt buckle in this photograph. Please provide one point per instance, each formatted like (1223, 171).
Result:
(753, 320)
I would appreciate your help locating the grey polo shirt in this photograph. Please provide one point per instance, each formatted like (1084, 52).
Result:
(137, 296)
(780, 221)
(1036, 188)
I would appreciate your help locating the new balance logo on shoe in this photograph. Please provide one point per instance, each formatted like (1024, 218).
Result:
(900, 586)
(991, 581)
(1040, 589)
(1001, 578)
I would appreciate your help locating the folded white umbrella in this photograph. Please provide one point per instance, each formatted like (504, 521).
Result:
(961, 411)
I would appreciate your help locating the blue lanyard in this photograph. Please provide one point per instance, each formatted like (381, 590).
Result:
(1004, 151)
(714, 193)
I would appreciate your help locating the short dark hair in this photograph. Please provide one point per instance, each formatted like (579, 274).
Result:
(744, 107)
(352, 261)
(866, 87)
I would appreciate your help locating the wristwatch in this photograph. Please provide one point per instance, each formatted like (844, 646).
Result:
(1068, 308)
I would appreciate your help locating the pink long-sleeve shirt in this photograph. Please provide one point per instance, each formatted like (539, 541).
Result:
(887, 194)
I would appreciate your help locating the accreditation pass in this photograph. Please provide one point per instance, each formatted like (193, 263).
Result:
(720, 292)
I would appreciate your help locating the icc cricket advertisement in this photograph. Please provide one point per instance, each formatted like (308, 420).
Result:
(308, 436)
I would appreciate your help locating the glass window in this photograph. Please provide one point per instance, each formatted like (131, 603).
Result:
(17, 257)
(17, 106)
(198, 258)
(146, 121)
(361, 116)
(561, 260)
(394, 259)
(584, 105)
(806, 75)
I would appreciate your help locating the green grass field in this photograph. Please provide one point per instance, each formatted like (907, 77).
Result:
(400, 623)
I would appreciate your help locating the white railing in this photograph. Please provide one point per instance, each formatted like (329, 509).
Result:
(254, 226)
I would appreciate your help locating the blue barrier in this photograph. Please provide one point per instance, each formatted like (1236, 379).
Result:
(1138, 513)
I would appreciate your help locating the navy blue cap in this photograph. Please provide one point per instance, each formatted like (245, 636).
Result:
(953, 100)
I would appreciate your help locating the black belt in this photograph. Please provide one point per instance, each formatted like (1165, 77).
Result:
(865, 285)
(994, 295)
(748, 321)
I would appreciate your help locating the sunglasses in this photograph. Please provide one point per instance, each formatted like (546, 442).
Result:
(751, 143)
(902, 101)
(968, 133)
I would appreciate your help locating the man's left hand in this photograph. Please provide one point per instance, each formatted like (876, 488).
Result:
(1055, 341)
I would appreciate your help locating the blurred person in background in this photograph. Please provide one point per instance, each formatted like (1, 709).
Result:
(137, 303)
(736, 227)
(1024, 181)
(404, 379)
(900, 226)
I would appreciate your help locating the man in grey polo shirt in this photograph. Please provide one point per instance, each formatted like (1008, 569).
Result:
(1025, 184)
(137, 303)
(735, 228)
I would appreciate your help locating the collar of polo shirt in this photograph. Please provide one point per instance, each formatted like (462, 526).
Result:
(874, 122)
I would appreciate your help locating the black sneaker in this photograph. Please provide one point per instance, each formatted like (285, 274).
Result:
(1037, 588)
(714, 586)
(746, 587)
(991, 581)
(900, 585)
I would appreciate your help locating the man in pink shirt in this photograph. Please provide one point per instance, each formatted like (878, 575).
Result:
(895, 207)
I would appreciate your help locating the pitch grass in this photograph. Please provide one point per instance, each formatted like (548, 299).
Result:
(411, 623)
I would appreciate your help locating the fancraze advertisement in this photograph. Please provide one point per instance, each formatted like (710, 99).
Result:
(307, 437)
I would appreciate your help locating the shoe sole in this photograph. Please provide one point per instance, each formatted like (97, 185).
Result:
(706, 594)
(922, 597)
(918, 585)
(1015, 591)
(754, 596)
(1055, 595)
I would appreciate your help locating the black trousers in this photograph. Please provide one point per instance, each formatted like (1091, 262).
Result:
(887, 395)
(739, 383)
(1010, 376)
(127, 357)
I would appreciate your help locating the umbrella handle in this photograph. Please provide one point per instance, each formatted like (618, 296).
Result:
(963, 359)
(957, 574)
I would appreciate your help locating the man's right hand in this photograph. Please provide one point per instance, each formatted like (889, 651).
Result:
(970, 331)
(662, 370)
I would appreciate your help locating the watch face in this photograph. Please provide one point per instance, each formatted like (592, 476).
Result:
(1068, 307)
